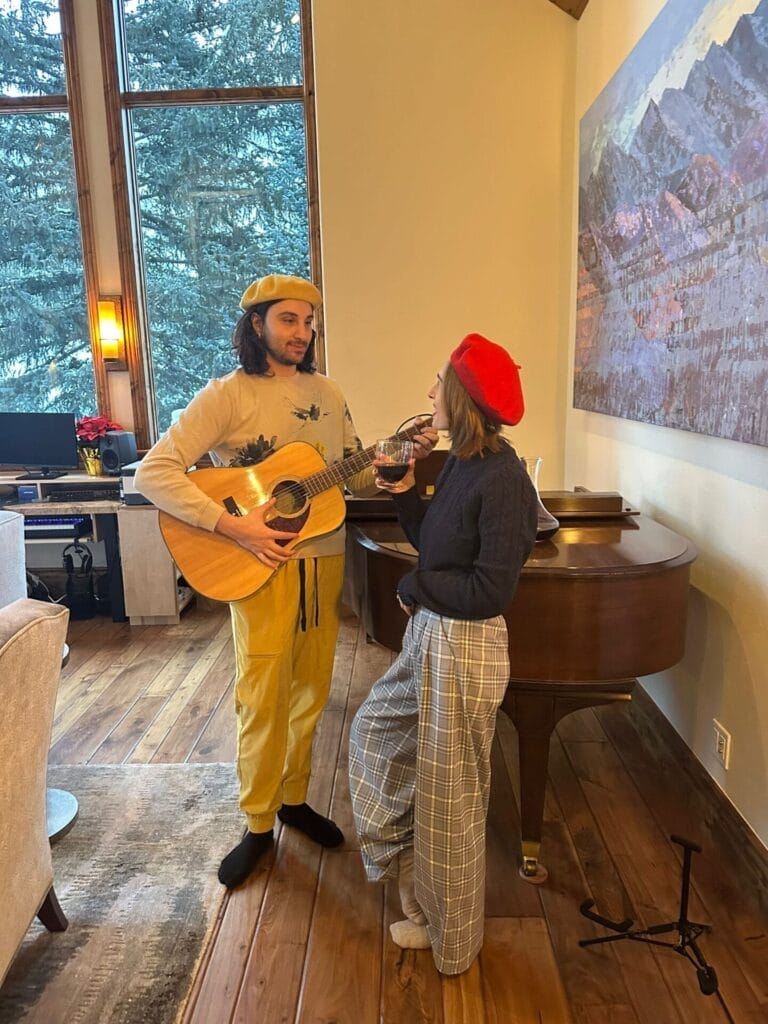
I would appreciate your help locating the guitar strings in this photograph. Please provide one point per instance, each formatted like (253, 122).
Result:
(299, 489)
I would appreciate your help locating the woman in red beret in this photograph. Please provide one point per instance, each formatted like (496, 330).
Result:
(420, 744)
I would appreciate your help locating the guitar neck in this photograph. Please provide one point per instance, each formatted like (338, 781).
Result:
(336, 474)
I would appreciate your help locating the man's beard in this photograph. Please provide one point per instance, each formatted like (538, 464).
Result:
(285, 358)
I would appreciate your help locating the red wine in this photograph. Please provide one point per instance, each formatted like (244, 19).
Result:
(392, 471)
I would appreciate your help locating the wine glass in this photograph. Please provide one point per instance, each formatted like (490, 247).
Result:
(393, 457)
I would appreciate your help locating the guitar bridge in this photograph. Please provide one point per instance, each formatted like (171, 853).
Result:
(232, 507)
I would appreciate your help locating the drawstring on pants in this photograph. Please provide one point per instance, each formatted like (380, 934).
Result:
(303, 595)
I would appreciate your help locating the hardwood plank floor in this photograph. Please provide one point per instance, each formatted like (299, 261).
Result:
(306, 939)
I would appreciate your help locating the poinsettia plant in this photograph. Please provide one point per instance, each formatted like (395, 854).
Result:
(90, 429)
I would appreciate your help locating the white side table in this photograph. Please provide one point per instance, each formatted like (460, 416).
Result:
(61, 806)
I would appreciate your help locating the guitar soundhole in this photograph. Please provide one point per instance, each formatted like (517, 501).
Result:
(291, 498)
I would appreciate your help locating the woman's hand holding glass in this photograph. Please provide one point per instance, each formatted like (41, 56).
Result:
(394, 465)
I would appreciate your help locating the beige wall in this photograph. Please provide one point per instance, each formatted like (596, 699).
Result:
(445, 189)
(711, 490)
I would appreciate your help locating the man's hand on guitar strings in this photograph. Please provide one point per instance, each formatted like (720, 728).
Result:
(253, 533)
(425, 441)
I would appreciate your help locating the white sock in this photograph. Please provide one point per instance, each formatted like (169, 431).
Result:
(405, 886)
(408, 935)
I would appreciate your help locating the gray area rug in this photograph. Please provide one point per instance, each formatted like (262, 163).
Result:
(136, 878)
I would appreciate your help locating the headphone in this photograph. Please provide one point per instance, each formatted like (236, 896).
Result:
(81, 551)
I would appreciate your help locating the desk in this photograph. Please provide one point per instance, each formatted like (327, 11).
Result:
(104, 514)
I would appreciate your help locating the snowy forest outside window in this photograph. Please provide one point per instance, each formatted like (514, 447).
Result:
(216, 139)
(45, 351)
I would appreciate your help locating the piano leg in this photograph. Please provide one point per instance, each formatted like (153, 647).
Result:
(534, 719)
(535, 709)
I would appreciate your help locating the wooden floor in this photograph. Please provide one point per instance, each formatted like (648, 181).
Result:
(306, 938)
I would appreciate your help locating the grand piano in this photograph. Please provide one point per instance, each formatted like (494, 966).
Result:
(600, 603)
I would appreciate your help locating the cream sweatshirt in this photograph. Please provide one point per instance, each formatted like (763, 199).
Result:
(240, 420)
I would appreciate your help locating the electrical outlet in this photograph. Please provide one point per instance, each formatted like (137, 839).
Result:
(722, 744)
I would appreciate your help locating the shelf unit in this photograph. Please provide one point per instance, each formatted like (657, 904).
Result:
(45, 502)
(153, 594)
(49, 488)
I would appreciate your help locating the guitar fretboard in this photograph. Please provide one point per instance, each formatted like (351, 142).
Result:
(333, 475)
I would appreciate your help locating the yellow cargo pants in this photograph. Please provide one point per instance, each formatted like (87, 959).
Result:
(285, 641)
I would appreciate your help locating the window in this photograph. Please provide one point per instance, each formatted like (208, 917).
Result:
(45, 351)
(218, 171)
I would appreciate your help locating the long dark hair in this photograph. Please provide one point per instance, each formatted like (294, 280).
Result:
(249, 347)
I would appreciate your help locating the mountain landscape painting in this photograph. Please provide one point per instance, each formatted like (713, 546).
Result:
(672, 307)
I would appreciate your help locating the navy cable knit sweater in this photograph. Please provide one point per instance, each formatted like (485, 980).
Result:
(473, 537)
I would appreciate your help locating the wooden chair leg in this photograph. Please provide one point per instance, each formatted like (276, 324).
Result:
(51, 914)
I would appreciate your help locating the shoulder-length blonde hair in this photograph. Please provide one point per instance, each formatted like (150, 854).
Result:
(470, 430)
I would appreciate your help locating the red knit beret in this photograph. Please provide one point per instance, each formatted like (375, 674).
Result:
(490, 378)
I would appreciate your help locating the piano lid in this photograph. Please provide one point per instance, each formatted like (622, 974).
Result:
(615, 547)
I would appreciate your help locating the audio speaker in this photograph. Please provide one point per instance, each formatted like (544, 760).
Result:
(118, 448)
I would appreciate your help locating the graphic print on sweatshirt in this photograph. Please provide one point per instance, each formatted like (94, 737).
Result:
(253, 452)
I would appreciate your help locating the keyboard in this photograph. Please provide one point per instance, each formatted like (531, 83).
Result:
(52, 527)
(86, 494)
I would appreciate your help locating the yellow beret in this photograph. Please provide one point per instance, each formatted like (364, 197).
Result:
(279, 286)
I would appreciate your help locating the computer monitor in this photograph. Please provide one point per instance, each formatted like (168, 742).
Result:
(44, 443)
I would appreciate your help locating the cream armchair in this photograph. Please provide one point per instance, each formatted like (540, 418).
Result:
(13, 576)
(32, 637)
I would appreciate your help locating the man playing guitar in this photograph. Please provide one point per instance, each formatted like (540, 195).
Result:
(284, 633)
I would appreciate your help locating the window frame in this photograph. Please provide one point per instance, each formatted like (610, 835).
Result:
(71, 103)
(119, 103)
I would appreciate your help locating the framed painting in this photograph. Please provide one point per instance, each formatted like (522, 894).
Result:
(672, 305)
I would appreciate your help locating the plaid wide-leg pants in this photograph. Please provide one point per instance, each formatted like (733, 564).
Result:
(419, 766)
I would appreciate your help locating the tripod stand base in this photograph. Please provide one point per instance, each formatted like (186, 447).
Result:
(707, 980)
(688, 931)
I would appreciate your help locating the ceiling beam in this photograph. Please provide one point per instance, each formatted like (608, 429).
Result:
(573, 7)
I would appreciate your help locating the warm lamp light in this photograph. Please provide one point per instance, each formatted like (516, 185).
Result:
(111, 333)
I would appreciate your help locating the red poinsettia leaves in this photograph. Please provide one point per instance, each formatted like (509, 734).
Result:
(91, 428)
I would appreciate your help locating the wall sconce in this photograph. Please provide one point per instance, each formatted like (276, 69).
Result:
(111, 338)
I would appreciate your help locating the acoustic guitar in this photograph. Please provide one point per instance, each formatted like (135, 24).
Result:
(309, 503)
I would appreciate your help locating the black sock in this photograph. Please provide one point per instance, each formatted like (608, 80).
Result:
(241, 861)
(319, 829)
